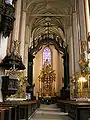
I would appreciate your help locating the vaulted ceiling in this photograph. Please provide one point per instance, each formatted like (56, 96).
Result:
(49, 17)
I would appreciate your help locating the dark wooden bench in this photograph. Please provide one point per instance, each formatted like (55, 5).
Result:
(77, 110)
(17, 110)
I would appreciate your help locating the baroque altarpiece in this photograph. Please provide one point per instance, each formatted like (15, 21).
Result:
(47, 81)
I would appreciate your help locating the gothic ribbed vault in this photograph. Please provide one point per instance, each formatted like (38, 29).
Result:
(51, 17)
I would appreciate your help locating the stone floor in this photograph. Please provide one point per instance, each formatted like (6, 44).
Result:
(49, 112)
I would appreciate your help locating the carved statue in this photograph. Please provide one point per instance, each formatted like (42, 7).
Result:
(46, 62)
(22, 83)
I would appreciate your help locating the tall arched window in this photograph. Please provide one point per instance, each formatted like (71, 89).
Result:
(46, 55)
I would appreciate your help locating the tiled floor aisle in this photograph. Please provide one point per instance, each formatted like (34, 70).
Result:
(49, 112)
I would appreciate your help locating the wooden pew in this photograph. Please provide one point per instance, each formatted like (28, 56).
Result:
(77, 110)
(17, 110)
(3, 112)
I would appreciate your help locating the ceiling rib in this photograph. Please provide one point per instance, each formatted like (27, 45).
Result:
(50, 15)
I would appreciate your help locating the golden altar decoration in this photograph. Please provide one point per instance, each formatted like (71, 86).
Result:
(47, 81)
(22, 83)
(80, 81)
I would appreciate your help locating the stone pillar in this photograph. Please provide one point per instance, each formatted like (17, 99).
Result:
(60, 73)
(30, 72)
(83, 33)
(3, 50)
(17, 23)
(75, 42)
(26, 46)
(22, 35)
(55, 66)
(87, 16)
(66, 68)
(26, 58)
(71, 50)
(82, 20)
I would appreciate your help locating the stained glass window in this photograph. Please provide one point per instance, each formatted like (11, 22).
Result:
(8, 2)
(47, 56)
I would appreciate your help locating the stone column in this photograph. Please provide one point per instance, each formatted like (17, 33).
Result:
(26, 46)
(75, 42)
(3, 50)
(17, 23)
(22, 35)
(55, 66)
(82, 20)
(71, 46)
(26, 58)
(83, 34)
(71, 50)
(60, 73)
(66, 68)
(87, 15)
